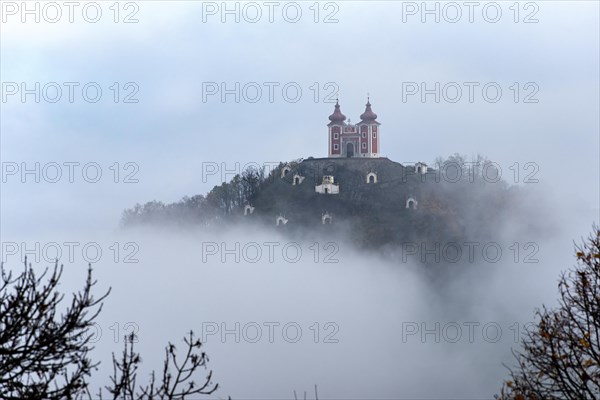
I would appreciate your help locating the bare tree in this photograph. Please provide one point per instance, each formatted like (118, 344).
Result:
(560, 358)
(304, 398)
(177, 380)
(44, 354)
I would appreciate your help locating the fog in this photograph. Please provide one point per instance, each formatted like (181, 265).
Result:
(369, 308)
(386, 326)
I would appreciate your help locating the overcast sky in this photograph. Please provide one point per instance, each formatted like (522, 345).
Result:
(170, 122)
(171, 55)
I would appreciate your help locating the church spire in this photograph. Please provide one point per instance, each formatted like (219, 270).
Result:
(368, 115)
(337, 117)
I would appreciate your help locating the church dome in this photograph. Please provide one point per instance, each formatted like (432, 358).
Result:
(337, 116)
(368, 115)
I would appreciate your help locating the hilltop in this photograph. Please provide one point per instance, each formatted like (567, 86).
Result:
(380, 202)
(354, 194)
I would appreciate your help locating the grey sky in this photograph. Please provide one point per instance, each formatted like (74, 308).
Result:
(170, 52)
(170, 55)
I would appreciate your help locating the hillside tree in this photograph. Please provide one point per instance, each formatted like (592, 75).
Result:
(560, 356)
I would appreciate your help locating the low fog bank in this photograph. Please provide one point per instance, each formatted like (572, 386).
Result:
(358, 323)
(378, 310)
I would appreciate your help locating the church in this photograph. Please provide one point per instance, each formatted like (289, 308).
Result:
(359, 140)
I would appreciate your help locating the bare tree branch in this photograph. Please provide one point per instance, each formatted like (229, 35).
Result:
(44, 354)
(560, 356)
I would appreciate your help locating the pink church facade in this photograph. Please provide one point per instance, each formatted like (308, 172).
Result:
(354, 140)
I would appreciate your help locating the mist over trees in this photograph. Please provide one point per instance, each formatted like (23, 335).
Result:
(221, 202)
(458, 200)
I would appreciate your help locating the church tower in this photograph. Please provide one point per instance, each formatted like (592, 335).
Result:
(347, 140)
(335, 131)
(369, 132)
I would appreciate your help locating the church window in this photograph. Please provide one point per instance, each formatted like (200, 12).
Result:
(364, 145)
(335, 135)
(335, 146)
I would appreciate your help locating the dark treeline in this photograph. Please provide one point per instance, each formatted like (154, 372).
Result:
(456, 200)
(223, 200)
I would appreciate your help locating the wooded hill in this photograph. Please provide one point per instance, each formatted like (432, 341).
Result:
(456, 201)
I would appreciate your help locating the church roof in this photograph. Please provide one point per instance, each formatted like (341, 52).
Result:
(337, 117)
(368, 115)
